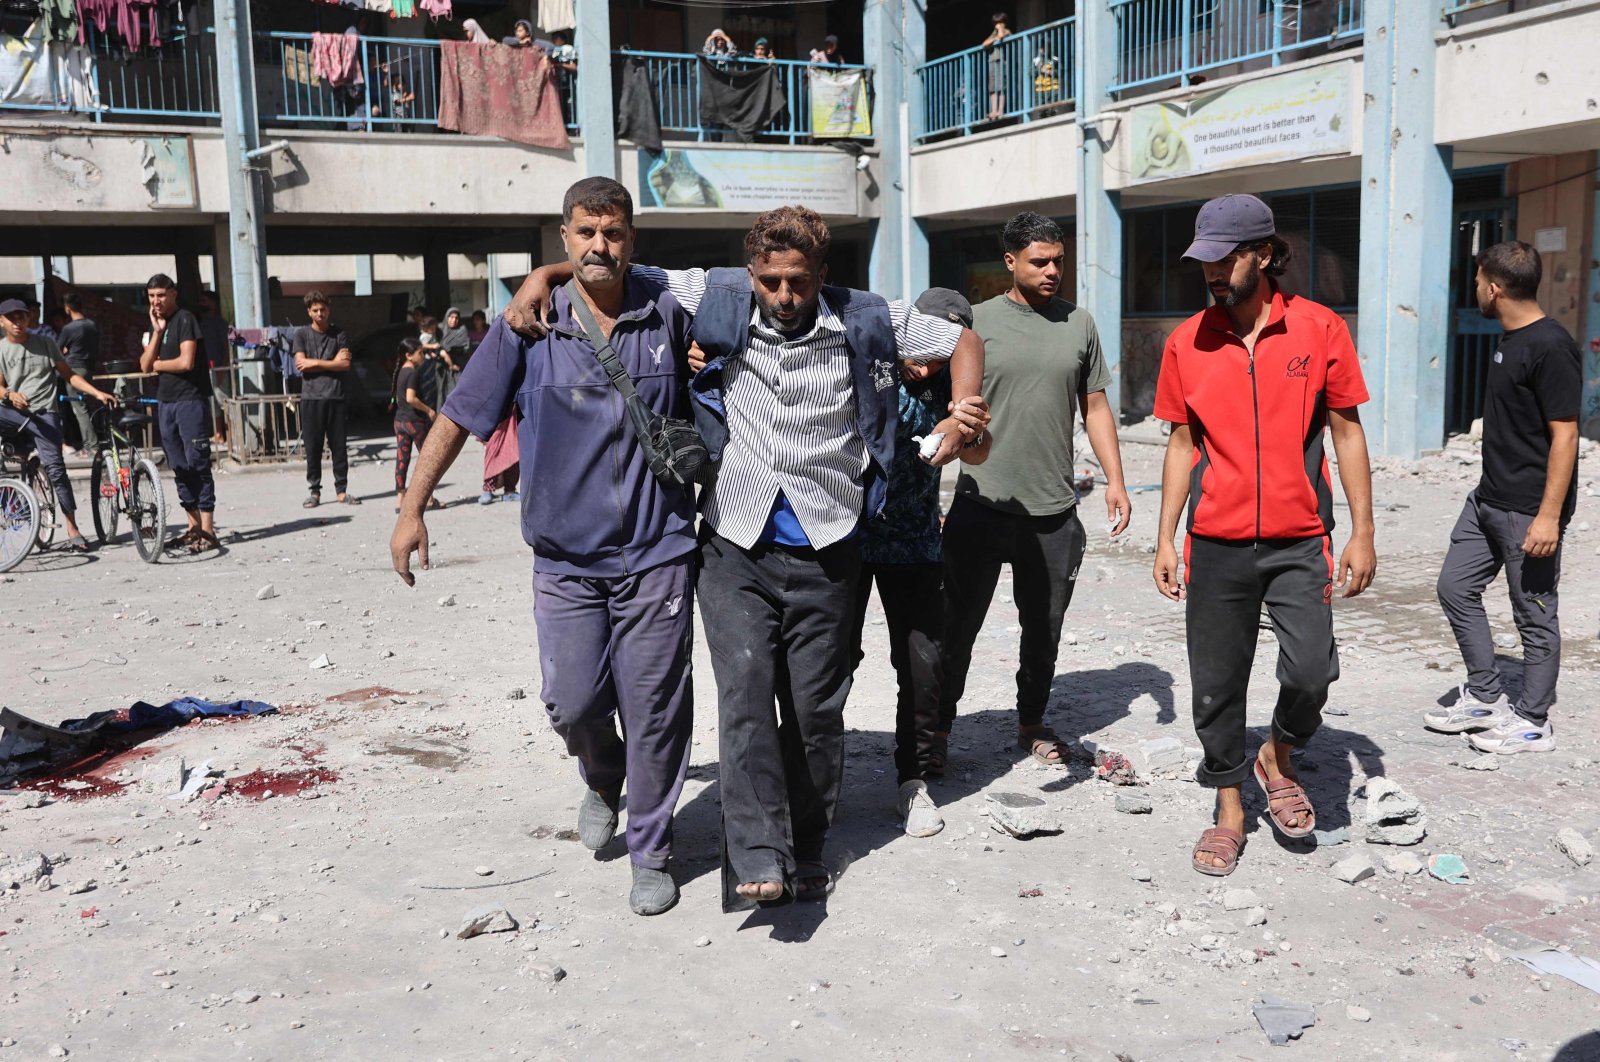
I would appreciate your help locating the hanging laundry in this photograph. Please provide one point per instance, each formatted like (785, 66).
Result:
(383, 7)
(505, 92)
(638, 118)
(404, 9)
(747, 101)
(436, 9)
(60, 20)
(557, 14)
(140, 24)
(333, 57)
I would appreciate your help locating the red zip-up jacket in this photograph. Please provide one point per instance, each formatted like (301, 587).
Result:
(1260, 471)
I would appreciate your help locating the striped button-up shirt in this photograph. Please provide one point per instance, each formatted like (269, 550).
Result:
(791, 411)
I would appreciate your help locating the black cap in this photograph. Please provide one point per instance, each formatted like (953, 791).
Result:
(1226, 222)
(950, 305)
(11, 306)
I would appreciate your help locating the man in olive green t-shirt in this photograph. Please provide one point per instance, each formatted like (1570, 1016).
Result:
(1042, 364)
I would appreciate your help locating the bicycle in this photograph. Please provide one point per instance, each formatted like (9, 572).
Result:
(18, 447)
(125, 482)
(19, 522)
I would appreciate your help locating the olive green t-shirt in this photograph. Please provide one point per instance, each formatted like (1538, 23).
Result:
(1035, 362)
(29, 367)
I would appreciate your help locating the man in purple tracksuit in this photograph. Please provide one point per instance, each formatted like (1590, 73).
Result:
(613, 571)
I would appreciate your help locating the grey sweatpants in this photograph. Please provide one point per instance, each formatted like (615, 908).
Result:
(1484, 540)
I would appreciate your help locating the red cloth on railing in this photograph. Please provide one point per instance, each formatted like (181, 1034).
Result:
(134, 21)
(333, 56)
(491, 90)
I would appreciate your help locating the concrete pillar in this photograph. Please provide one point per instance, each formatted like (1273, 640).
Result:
(1098, 257)
(41, 274)
(1589, 331)
(506, 270)
(596, 112)
(1406, 219)
(363, 274)
(246, 245)
(895, 33)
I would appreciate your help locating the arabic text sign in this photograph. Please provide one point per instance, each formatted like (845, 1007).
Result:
(746, 181)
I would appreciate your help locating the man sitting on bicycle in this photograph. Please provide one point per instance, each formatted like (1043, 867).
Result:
(31, 373)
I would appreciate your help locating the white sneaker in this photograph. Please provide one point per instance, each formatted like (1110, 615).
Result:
(1469, 713)
(1515, 735)
(917, 808)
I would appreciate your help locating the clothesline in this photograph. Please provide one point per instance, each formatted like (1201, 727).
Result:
(434, 9)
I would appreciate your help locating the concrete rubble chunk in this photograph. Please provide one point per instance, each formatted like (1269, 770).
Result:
(267, 593)
(1403, 863)
(1282, 1019)
(1240, 899)
(1489, 761)
(1134, 804)
(1256, 916)
(547, 971)
(1574, 846)
(1393, 815)
(447, 600)
(1354, 869)
(24, 869)
(490, 918)
(1355, 1013)
(1021, 815)
(245, 995)
(1159, 756)
(321, 662)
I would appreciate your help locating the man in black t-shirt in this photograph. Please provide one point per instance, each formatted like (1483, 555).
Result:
(322, 357)
(80, 345)
(184, 392)
(1516, 517)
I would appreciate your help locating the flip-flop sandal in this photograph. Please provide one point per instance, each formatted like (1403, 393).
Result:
(1038, 743)
(76, 544)
(781, 898)
(349, 499)
(204, 541)
(1218, 841)
(938, 756)
(311, 502)
(1295, 799)
(812, 871)
(181, 541)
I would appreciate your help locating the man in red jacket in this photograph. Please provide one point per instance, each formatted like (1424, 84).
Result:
(1249, 385)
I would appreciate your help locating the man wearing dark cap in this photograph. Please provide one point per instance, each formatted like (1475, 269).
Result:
(901, 554)
(1249, 387)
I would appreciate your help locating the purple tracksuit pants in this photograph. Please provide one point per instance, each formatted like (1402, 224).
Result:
(621, 648)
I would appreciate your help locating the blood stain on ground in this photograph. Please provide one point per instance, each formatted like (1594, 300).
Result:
(258, 784)
(366, 693)
(86, 778)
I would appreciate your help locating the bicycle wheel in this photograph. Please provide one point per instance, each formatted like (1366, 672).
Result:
(147, 511)
(104, 493)
(19, 522)
(45, 495)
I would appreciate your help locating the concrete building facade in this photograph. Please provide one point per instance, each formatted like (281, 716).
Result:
(1394, 139)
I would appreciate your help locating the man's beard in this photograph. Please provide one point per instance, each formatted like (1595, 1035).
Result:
(1489, 310)
(1245, 290)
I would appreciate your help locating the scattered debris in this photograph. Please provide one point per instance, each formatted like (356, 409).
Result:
(245, 995)
(1355, 1013)
(1579, 969)
(1256, 916)
(1489, 761)
(490, 918)
(1506, 641)
(1240, 899)
(267, 593)
(1403, 863)
(193, 781)
(1030, 894)
(482, 871)
(547, 971)
(1283, 1020)
(1393, 815)
(321, 662)
(1329, 838)
(1021, 815)
(1142, 874)
(1354, 869)
(702, 942)
(516, 693)
(447, 600)
(1134, 804)
(998, 953)
(1114, 767)
(1448, 868)
(1574, 845)
(1160, 756)
(82, 887)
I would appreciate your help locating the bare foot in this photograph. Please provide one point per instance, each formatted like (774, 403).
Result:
(760, 890)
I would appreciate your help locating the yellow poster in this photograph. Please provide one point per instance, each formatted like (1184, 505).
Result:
(839, 106)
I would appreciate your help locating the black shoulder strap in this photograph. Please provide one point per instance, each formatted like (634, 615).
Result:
(603, 350)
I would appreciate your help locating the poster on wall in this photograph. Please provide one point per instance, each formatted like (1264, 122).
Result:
(169, 172)
(839, 104)
(1289, 116)
(746, 181)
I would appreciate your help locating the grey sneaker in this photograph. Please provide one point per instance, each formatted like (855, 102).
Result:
(1515, 735)
(1469, 713)
(597, 818)
(917, 808)
(654, 891)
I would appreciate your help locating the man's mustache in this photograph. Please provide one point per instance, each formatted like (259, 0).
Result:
(599, 260)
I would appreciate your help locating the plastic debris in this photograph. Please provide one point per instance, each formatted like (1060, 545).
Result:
(1579, 969)
(1283, 1020)
(1448, 868)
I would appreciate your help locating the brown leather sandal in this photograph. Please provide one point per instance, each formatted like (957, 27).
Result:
(1040, 742)
(1294, 802)
(1218, 841)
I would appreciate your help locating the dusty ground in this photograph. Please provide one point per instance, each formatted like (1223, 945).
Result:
(405, 767)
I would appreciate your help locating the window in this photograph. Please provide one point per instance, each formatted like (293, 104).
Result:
(1321, 227)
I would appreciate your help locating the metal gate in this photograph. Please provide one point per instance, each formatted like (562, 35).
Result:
(1480, 222)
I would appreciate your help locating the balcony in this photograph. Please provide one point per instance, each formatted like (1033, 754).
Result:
(1026, 76)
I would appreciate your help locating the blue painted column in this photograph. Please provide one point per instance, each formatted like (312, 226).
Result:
(1407, 213)
(597, 114)
(363, 274)
(1099, 237)
(246, 251)
(895, 36)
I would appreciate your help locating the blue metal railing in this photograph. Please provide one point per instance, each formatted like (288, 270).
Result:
(676, 77)
(399, 90)
(1026, 76)
(1173, 40)
(178, 80)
